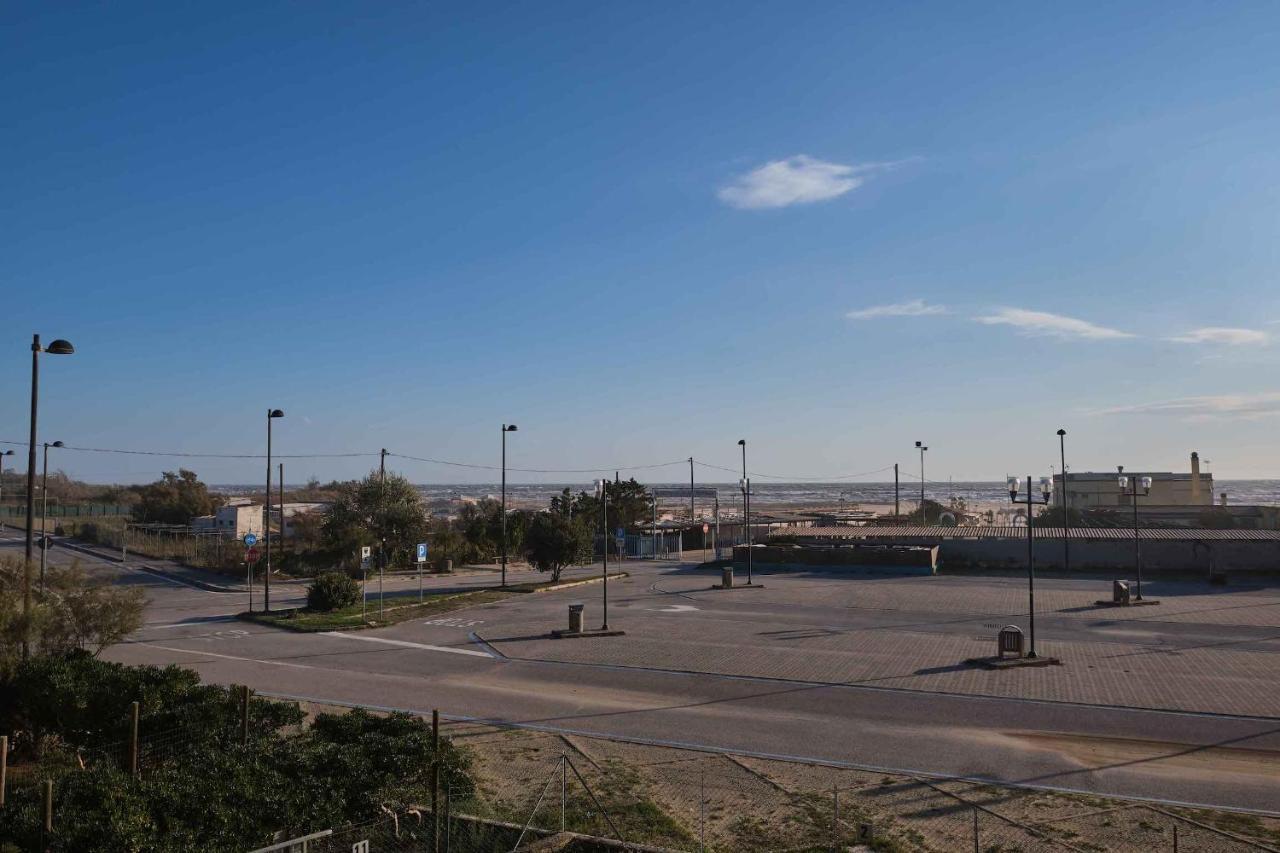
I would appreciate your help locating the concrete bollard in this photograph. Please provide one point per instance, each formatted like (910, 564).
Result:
(726, 577)
(575, 618)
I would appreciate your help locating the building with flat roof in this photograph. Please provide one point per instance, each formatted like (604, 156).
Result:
(233, 521)
(1101, 490)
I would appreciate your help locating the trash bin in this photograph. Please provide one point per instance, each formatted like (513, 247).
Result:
(575, 618)
(1120, 592)
(726, 577)
(1009, 641)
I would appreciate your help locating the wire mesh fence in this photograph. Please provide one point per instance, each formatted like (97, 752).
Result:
(537, 791)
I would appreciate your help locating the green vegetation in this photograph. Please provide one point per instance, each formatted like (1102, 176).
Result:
(381, 512)
(555, 541)
(199, 786)
(72, 613)
(174, 499)
(332, 591)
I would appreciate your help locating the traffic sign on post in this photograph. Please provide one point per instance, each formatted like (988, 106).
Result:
(706, 528)
(250, 539)
(422, 552)
(251, 555)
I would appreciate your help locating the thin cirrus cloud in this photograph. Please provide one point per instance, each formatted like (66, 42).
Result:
(911, 308)
(1223, 335)
(1255, 405)
(796, 180)
(1043, 323)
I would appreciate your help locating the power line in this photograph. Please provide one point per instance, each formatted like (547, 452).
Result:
(794, 478)
(185, 455)
(602, 468)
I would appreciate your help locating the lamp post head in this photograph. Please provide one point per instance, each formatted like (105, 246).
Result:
(60, 347)
(6, 452)
(1061, 432)
(1013, 488)
(1123, 482)
(600, 488)
(1046, 488)
(509, 428)
(742, 441)
(54, 444)
(275, 413)
(1146, 485)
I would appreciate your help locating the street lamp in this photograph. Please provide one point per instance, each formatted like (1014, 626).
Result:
(1046, 491)
(746, 505)
(602, 495)
(922, 449)
(44, 510)
(266, 530)
(1066, 519)
(57, 347)
(506, 428)
(3, 453)
(1131, 486)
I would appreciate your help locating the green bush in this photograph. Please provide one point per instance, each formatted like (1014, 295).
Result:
(332, 591)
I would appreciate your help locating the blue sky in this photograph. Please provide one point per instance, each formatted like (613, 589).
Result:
(643, 231)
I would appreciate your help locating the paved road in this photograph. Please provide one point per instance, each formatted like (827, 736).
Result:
(1182, 756)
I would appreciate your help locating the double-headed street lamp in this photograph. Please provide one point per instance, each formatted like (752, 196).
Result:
(44, 511)
(922, 449)
(57, 347)
(1046, 492)
(1134, 487)
(272, 414)
(602, 495)
(506, 428)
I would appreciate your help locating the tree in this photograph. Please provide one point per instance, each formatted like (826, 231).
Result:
(554, 541)
(174, 499)
(629, 505)
(368, 512)
(332, 591)
(930, 513)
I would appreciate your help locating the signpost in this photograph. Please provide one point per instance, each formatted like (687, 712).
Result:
(250, 557)
(706, 528)
(422, 558)
(365, 553)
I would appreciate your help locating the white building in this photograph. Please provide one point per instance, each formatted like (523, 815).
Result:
(233, 521)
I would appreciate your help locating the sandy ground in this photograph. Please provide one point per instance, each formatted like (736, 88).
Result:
(689, 800)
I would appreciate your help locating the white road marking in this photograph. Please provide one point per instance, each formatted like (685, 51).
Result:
(204, 654)
(454, 622)
(673, 608)
(189, 624)
(406, 644)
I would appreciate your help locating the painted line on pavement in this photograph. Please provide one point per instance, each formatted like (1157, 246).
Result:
(200, 653)
(771, 756)
(406, 644)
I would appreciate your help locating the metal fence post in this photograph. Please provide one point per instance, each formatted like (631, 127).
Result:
(133, 739)
(975, 831)
(448, 799)
(702, 804)
(4, 765)
(48, 808)
(564, 780)
(435, 780)
(835, 819)
(1175, 838)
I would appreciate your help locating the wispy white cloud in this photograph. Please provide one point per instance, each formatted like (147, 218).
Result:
(1223, 335)
(1209, 406)
(796, 180)
(1051, 325)
(911, 308)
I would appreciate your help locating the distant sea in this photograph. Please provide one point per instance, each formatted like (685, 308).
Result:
(765, 492)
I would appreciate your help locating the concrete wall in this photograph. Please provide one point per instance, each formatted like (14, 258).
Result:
(913, 560)
(1239, 556)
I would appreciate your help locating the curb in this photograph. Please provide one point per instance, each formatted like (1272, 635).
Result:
(584, 582)
(199, 584)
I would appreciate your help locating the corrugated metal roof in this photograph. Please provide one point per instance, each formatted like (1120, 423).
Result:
(935, 533)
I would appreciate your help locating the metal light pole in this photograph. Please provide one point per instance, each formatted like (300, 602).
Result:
(58, 347)
(3, 453)
(1129, 487)
(506, 428)
(602, 494)
(746, 506)
(266, 530)
(922, 450)
(1066, 517)
(1046, 490)
(44, 511)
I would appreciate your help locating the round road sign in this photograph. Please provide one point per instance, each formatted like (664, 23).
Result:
(251, 556)
(706, 528)
(250, 539)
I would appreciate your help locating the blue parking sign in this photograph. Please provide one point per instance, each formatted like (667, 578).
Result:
(422, 552)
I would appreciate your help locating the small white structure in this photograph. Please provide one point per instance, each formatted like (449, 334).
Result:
(233, 521)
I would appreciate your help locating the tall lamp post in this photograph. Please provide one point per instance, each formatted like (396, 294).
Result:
(1066, 517)
(266, 531)
(602, 495)
(3, 453)
(922, 449)
(1131, 486)
(44, 511)
(1046, 491)
(57, 347)
(506, 428)
(746, 506)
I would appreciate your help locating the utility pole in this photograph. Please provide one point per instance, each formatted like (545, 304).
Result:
(272, 414)
(692, 517)
(382, 525)
(281, 510)
(895, 490)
